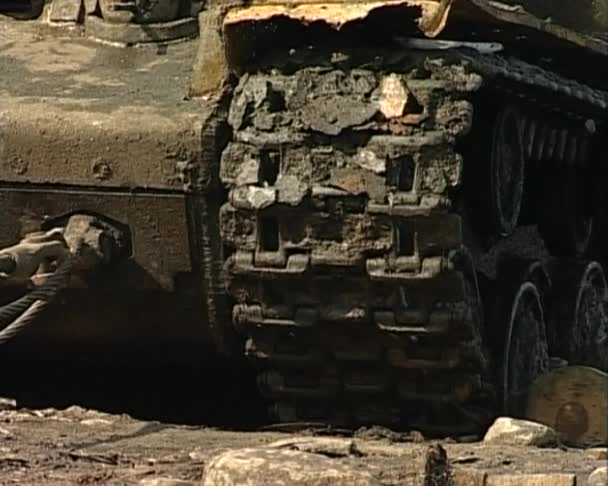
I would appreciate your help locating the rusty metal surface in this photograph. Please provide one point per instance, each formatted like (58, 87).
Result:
(78, 113)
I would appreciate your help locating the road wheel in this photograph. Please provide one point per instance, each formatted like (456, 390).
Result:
(495, 172)
(524, 353)
(579, 313)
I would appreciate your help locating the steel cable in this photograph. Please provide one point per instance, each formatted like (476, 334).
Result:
(26, 309)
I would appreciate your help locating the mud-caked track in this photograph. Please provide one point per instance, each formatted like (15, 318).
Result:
(353, 286)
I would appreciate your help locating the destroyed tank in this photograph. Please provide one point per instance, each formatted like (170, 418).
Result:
(395, 209)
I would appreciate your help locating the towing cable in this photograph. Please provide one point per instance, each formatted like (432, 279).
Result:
(81, 245)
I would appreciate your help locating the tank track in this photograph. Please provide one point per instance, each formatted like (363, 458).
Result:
(344, 251)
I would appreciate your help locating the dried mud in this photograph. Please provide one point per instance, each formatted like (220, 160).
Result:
(79, 446)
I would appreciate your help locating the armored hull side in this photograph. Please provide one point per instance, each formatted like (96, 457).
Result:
(92, 128)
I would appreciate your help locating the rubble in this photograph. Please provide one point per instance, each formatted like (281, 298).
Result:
(510, 431)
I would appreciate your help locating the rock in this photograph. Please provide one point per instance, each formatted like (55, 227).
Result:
(315, 461)
(516, 432)
(599, 453)
(165, 482)
(599, 477)
(369, 160)
(393, 96)
(59, 418)
(261, 197)
(96, 414)
(551, 479)
(75, 411)
(96, 422)
(8, 403)
(260, 467)
(197, 456)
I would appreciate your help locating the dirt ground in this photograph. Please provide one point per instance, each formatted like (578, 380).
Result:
(76, 446)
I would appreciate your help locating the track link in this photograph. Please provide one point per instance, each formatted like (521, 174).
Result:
(352, 286)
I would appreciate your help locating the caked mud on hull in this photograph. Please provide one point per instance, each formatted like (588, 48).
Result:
(404, 213)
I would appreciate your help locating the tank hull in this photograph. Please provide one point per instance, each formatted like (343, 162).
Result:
(89, 128)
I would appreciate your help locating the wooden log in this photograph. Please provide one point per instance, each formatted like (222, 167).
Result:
(573, 401)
